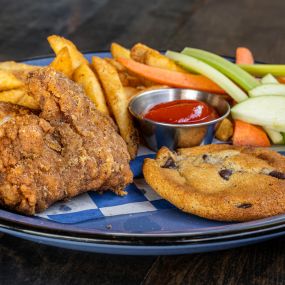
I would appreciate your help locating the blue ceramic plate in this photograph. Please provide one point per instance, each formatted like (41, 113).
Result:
(163, 232)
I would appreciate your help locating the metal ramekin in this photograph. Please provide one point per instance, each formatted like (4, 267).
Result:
(174, 136)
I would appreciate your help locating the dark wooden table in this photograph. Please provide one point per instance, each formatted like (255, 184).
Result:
(219, 26)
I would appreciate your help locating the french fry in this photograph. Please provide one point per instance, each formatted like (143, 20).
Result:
(63, 62)
(118, 51)
(118, 102)
(161, 61)
(130, 80)
(9, 81)
(12, 96)
(90, 83)
(152, 57)
(123, 78)
(28, 101)
(130, 92)
(150, 88)
(135, 81)
(224, 130)
(14, 66)
(57, 43)
(116, 64)
(19, 97)
(139, 52)
(126, 78)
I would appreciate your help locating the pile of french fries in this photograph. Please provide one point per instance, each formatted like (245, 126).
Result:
(12, 88)
(107, 83)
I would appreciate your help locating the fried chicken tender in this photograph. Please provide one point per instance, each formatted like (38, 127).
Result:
(66, 149)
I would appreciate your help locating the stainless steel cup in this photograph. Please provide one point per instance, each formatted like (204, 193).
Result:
(157, 134)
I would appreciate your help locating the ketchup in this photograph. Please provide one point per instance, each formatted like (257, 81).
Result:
(182, 112)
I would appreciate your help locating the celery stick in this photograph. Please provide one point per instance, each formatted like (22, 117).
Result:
(263, 69)
(275, 137)
(269, 78)
(268, 89)
(199, 66)
(231, 70)
(265, 111)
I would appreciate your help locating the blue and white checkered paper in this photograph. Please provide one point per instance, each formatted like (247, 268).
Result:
(92, 205)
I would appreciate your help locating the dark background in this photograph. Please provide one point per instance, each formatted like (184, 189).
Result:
(216, 25)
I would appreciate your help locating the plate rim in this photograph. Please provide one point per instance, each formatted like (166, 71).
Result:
(126, 249)
(95, 240)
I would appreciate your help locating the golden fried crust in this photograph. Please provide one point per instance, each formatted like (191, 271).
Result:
(66, 149)
(220, 182)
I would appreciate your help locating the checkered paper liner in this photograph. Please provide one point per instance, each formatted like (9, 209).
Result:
(92, 205)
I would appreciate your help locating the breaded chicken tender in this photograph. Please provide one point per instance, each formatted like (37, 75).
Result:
(64, 150)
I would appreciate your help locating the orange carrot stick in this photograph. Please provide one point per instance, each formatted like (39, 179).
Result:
(171, 78)
(247, 134)
(281, 79)
(244, 56)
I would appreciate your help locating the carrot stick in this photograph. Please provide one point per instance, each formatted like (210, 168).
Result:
(244, 56)
(171, 78)
(281, 79)
(247, 134)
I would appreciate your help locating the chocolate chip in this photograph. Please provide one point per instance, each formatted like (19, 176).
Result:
(244, 205)
(277, 174)
(205, 156)
(170, 163)
(225, 174)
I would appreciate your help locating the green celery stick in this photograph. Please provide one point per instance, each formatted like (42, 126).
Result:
(203, 68)
(269, 78)
(231, 70)
(268, 89)
(263, 69)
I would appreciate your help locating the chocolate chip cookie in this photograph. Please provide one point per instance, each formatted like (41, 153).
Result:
(220, 182)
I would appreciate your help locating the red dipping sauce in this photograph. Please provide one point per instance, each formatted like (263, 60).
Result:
(182, 112)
